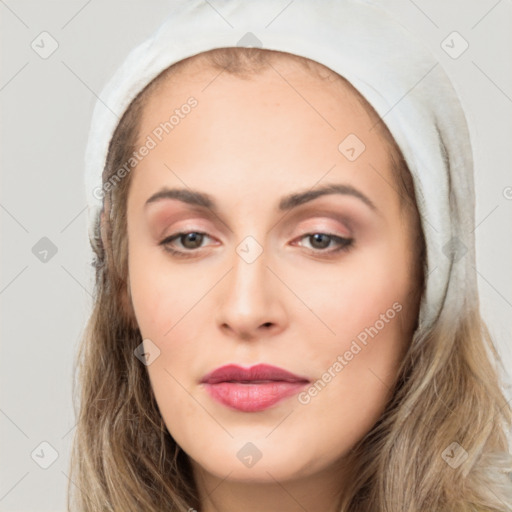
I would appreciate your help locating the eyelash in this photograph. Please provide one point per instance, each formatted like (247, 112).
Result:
(345, 244)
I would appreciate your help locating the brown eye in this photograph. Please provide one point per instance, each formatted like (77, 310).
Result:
(320, 241)
(189, 242)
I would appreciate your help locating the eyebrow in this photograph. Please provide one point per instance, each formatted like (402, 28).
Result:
(286, 203)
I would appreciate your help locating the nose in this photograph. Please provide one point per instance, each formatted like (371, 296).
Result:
(250, 305)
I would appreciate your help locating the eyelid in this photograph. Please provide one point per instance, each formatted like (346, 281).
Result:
(307, 229)
(321, 225)
(309, 222)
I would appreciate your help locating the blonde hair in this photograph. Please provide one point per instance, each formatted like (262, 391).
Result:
(447, 391)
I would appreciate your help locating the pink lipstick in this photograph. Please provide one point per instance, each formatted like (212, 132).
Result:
(252, 389)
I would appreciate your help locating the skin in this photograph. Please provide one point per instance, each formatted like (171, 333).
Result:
(247, 144)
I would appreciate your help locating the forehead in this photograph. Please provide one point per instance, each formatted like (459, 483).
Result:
(279, 126)
(282, 78)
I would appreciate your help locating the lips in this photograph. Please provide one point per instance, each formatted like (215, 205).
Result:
(259, 373)
(252, 389)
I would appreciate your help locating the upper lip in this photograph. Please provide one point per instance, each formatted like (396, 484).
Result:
(259, 372)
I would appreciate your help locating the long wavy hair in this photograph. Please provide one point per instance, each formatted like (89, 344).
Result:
(448, 387)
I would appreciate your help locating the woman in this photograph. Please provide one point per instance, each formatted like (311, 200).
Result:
(286, 313)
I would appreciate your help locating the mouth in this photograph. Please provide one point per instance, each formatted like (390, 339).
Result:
(261, 373)
(252, 389)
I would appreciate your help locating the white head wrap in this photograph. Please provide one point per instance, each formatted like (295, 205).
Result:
(401, 80)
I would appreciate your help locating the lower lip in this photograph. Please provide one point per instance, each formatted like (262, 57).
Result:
(253, 397)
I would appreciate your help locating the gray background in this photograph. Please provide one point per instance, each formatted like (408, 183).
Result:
(46, 107)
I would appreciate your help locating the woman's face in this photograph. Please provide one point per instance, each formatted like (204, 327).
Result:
(257, 286)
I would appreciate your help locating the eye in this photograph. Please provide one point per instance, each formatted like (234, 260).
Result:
(192, 240)
(320, 241)
(189, 240)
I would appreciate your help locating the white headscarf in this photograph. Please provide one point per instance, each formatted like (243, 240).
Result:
(402, 80)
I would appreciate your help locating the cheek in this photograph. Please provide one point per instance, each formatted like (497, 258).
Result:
(352, 295)
(160, 294)
(365, 309)
(170, 308)
(163, 302)
(364, 303)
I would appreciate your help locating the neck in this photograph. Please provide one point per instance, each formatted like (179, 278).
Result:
(319, 492)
